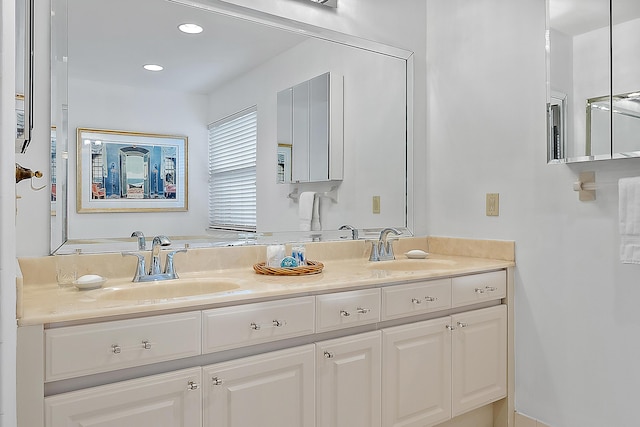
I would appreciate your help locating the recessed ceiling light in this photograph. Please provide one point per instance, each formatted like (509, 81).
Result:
(153, 67)
(190, 28)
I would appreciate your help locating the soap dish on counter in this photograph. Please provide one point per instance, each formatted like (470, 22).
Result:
(416, 254)
(89, 281)
(312, 267)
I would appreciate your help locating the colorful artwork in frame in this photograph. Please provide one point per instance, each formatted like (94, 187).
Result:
(122, 171)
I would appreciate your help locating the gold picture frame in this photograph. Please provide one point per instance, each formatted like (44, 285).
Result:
(123, 171)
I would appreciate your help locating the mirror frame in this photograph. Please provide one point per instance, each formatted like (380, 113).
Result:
(240, 12)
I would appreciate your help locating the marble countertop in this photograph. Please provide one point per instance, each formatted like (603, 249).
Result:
(47, 303)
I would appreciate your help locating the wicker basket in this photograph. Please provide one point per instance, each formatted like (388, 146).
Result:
(312, 267)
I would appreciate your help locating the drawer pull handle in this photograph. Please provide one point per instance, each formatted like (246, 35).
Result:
(328, 355)
(462, 325)
(344, 313)
(116, 349)
(449, 327)
(431, 299)
(274, 324)
(416, 301)
(490, 288)
(146, 345)
(192, 385)
(479, 291)
(361, 310)
(217, 381)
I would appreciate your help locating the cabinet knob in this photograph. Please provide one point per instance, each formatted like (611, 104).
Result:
(217, 381)
(116, 349)
(344, 313)
(430, 299)
(146, 345)
(490, 288)
(462, 325)
(416, 301)
(479, 291)
(449, 327)
(328, 355)
(278, 323)
(192, 385)
(361, 310)
(254, 326)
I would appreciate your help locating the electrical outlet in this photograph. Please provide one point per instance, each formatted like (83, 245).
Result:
(493, 204)
(376, 204)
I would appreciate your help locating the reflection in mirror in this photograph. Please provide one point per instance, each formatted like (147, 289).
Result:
(309, 130)
(235, 63)
(591, 56)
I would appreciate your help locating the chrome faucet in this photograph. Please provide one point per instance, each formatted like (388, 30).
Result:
(354, 231)
(142, 243)
(155, 272)
(382, 250)
(158, 241)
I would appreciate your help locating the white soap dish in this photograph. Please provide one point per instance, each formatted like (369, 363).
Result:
(89, 281)
(416, 254)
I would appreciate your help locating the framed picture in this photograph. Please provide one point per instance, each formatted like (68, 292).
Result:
(131, 172)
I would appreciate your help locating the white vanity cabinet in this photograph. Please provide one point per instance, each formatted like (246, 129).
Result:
(441, 368)
(275, 389)
(417, 374)
(164, 400)
(348, 372)
(479, 355)
(410, 354)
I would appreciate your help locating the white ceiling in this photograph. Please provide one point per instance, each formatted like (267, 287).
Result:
(110, 41)
(575, 17)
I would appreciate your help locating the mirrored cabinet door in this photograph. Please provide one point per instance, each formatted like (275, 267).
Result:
(625, 38)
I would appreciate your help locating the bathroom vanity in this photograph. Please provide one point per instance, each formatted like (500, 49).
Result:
(396, 343)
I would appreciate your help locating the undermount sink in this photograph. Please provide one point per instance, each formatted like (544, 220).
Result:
(180, 288)
(411, 264)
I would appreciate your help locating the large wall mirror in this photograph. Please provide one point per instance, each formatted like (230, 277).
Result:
(593, 80)
(242, 59)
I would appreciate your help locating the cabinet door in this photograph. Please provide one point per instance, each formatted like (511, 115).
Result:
(166, 400)
(275, 389)
(348, 381)
(416, 377)
(479, 343)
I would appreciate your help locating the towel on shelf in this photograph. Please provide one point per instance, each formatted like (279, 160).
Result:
(629, 213)
(315, 217)
(305, 209)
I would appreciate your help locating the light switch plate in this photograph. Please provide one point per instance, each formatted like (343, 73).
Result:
(376, 204)
(493, 204)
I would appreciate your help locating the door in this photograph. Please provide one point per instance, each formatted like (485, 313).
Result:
(348, 381)
(479, 342)
(416, 378)
(275, 389)
(166, 400)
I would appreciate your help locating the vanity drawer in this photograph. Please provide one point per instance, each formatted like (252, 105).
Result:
(478, 288)
(346, 309)
(88, 349)
(239, 326)
(415, 298)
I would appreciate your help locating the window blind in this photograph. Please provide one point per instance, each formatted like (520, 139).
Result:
(232, 171)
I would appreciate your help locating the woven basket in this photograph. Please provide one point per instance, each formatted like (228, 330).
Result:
(312, 267)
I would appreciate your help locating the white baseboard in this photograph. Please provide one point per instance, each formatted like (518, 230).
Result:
(522, 420)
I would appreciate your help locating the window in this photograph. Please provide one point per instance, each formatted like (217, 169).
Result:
(232, 171)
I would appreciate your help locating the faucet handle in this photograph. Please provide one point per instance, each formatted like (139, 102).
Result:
(168, 265)
(142, 243)
(140, 266)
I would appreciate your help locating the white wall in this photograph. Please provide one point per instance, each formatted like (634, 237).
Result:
(576, 305)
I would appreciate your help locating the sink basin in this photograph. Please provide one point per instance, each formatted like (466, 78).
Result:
(166, 290)
(411, 264)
